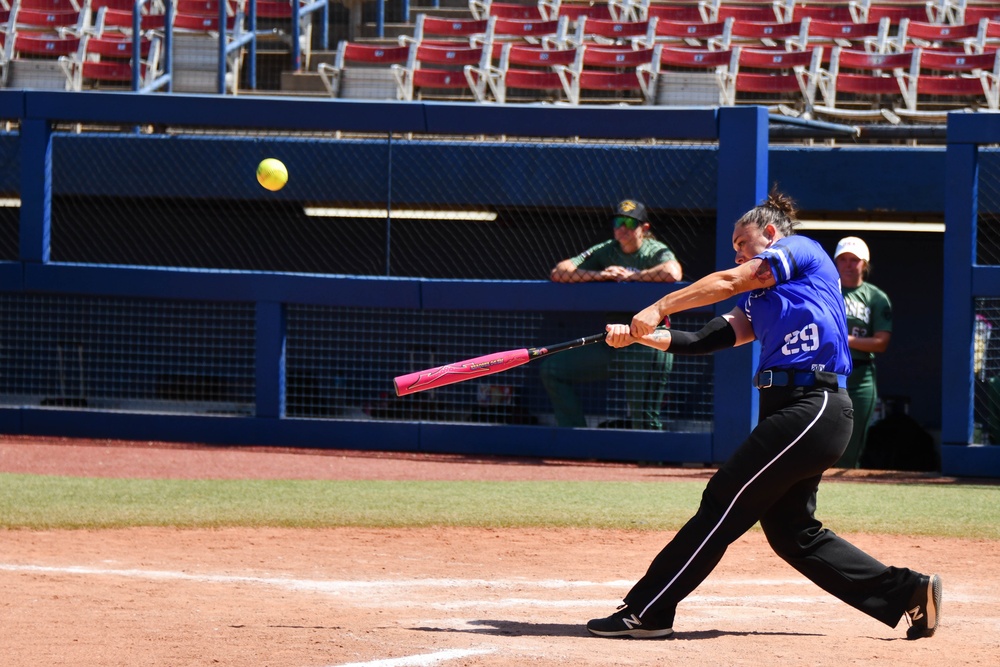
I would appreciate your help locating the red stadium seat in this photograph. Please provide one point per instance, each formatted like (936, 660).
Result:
(526, 31)
(530, 71)
(761, 12)
(111, 19)
(836, 11)
(363, 70)
(860, 85)
(949, 81)
(690, 34)
(205, 7)
(991, 35)
(969, 12)
(434, 29)
(120, 5)
(760, 34)
(607, 31)
(691, 77)
(609, 74)
(869, 11)
(969, 37)
(677, 10)
(49, 16)
(574, 10)
(45, 45)
(437, 72)
(40, 60)
(847, 34)
(785, 81)
(107, 62)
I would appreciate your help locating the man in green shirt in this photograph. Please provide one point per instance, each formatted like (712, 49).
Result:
(632, 255)
(869, 328)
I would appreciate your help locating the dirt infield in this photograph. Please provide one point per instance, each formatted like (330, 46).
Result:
(450, 597)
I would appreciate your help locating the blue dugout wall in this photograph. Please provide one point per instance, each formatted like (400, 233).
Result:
(965, 280)
(741, 137)
(743, 167)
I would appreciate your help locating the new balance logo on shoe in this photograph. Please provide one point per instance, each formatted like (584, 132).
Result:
(915, 614)
(632, 621)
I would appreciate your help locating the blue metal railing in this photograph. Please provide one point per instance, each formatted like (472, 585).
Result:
(226, 48)
(164, 79)
(299, 11)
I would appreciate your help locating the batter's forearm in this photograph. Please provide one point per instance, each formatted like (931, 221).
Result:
(659, 339)
(704, 292)
(717, 334)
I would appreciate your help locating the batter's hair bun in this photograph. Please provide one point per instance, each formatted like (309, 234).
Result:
(782, 203)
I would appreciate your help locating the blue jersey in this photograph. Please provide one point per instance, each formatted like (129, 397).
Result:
(801, 322)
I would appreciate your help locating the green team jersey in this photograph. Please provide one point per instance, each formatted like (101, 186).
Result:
(868, 310)
(609, 253)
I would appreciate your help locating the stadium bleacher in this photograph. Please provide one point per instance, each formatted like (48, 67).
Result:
(368, 63)
(860, 85)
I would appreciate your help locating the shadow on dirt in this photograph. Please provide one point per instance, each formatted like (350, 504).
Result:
(522, 629)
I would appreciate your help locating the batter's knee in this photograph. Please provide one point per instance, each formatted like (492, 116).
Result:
(783, 540)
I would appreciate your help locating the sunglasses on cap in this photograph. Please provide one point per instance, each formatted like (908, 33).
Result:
(624, 220)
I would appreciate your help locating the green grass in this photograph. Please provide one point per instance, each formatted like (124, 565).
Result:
(44, 502)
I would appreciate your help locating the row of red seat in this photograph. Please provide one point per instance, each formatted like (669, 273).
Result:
(486, 71)
(875, 36)
(59, 43)
(88, 44)
(710, 11)
(920, 83)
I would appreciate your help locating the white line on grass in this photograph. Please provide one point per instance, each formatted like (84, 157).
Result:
(422, 660)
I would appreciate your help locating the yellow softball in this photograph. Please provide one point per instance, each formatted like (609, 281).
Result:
(272, 174)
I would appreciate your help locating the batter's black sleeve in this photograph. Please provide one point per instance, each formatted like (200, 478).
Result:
(718, 334)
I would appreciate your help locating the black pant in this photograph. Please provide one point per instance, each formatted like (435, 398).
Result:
(772, 478)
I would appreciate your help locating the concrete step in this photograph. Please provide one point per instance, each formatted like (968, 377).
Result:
(318, 57)
(302, 83)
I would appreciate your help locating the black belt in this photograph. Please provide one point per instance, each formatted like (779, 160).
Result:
(773, 378)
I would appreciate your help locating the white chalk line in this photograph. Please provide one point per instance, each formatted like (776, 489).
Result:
(322, 586)
(340, 587)
(344, 586)
(421, 660)
(372, 588)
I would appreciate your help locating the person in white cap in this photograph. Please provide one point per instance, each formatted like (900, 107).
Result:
(869, 328)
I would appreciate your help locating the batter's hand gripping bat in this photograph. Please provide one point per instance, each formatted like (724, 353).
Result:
(486, 365)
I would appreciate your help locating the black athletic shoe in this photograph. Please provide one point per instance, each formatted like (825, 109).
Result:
(626, 623)
(924, 611)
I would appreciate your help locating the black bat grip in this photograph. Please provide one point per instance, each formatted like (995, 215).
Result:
(534, 352)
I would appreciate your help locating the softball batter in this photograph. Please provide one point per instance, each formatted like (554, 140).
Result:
(792, 304)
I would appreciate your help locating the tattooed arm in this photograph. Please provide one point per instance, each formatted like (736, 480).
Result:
(713, 288)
